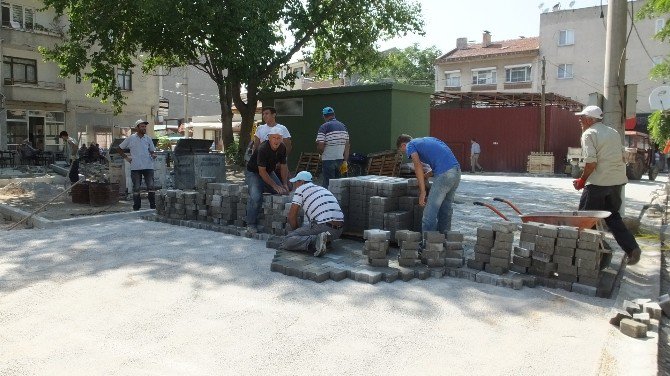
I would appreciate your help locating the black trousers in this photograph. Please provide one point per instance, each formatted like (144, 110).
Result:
(599, 197)
(74, 171)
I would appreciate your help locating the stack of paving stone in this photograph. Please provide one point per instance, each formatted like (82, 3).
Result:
(588, 254)
(409, 243)
(222, 200)
(187, 198)
(543, 252)
(170, 203)
(377, 246)
(340, 189)
(635, 317)
(433, 254)
(454, 249)
(378, 206)
(242, 207)
(483, 247)
(277, 220)
(503, 241)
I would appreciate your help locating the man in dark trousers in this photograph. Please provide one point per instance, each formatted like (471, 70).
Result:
(260, 175)
(71, 155)
(141, 159)
(604, 176)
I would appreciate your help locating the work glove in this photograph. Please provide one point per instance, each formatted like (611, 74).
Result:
(344, 168)
(579, 183)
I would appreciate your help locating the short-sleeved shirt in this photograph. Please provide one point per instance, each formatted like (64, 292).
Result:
(434, 152)
(475, 148)
(264, 156)
(318, 203)
(263, 130)
(335, 137)
(140, 151)
(602, 144)
(70, 149)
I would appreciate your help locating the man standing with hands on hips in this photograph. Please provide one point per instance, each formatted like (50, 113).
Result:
(141, 159)
(605, 173)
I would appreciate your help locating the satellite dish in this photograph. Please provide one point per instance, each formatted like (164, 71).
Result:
(540, 6)
(572, 4)
(659, 98)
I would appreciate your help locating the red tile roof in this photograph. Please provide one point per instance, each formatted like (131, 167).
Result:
(495, 48)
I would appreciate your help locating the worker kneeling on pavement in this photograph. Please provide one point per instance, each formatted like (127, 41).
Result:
(326, 220)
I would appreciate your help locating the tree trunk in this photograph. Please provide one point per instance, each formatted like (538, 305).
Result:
(248, 112)
(225, 100)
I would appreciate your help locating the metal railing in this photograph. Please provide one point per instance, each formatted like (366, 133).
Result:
(38, 84)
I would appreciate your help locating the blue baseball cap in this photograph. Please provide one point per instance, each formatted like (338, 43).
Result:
(302, 175)
(327, 111)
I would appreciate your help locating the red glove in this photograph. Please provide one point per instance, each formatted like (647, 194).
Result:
(579, 183)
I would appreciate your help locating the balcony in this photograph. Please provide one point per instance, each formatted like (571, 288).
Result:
(485, 87)
(518, 85)
(40, 36)
(48, 85)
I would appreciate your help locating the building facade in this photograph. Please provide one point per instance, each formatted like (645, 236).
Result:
(37, 103)
(573, 43)
(509, 66)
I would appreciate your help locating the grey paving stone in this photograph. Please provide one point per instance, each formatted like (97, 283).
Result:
(453, 245)
(390, 275)
(653, 309)
(453, 262)
(485, 233)
(337, 274)
(518, 268)
(422, 273)
(643, 318)
(568, 232)
(584, 289)
(475, 264)
(500, 253)
(522, 252)
(499, 262)
(433, 237)
(664, 302)
(590, 235)
(633, 328)
(487, 278)
(437, 272)
(631, 307)
(618, 315)
(406, 274)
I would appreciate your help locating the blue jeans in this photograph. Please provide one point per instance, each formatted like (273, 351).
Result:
(136, 177)
(256, 189)
(330, 170)
(438, 211)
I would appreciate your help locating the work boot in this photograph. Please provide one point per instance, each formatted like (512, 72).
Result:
(137, 202)
(634, 256)
(152, 200)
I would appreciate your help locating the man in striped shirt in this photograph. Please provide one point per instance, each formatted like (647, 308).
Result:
(332, 141)
(323, 213)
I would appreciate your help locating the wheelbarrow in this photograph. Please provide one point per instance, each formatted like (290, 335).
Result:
(577, 218)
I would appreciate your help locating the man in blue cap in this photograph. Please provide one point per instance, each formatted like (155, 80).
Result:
(326, 220)
(332, 141)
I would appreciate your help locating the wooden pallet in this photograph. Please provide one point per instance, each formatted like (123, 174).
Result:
(385, 163)
(309, 162)
(540, 163)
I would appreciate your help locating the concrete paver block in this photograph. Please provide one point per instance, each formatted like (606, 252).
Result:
(631, 307)
(633, 328)
(664, 302)
(584, 289)
(618, 315)
(653, 309)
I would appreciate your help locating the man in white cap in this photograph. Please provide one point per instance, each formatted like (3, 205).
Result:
(260, 174)
(604, 176)
(326, 220)
(141, 159)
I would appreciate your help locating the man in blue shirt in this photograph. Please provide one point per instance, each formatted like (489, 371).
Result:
(447, 176)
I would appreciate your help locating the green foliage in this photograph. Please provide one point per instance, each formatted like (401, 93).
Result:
(659, 127)
(164, 143)
(238, 43)
(232, 153)
(412, 65)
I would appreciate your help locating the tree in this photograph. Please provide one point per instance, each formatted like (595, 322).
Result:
(659, 121)
(240, 44)
(411, 65)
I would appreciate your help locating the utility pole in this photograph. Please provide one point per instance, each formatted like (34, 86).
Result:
(615, 66)
(543, 104)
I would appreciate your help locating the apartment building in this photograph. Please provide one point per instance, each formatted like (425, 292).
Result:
(496, 66)
(37, 103)
(573, 43)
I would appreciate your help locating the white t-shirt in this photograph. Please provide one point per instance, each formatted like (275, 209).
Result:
(263, 130)
(140, 151)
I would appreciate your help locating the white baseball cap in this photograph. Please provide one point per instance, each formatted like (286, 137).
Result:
(591, 111)
(141, 122)
(302, 175)
(275, 130)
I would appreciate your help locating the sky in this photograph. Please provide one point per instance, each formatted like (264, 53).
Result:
(446, 20)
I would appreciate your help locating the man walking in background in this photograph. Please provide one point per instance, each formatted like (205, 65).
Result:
(71, 155)
(141, 159)
(475, 150)
(332, 141)
(605, 172)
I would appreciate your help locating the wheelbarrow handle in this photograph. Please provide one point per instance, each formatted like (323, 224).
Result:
(508, 203)
(493, 208)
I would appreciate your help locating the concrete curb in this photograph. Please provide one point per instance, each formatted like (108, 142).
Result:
(40, 222)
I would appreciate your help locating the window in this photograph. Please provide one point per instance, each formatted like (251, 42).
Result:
(660, 23)
(485, 76)
(124, 79)
(298, 72)
(17, 70)
(18, 16)
(564, 71)
(517, 74)
(566, 37)
(289, 107)
(453, 78)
